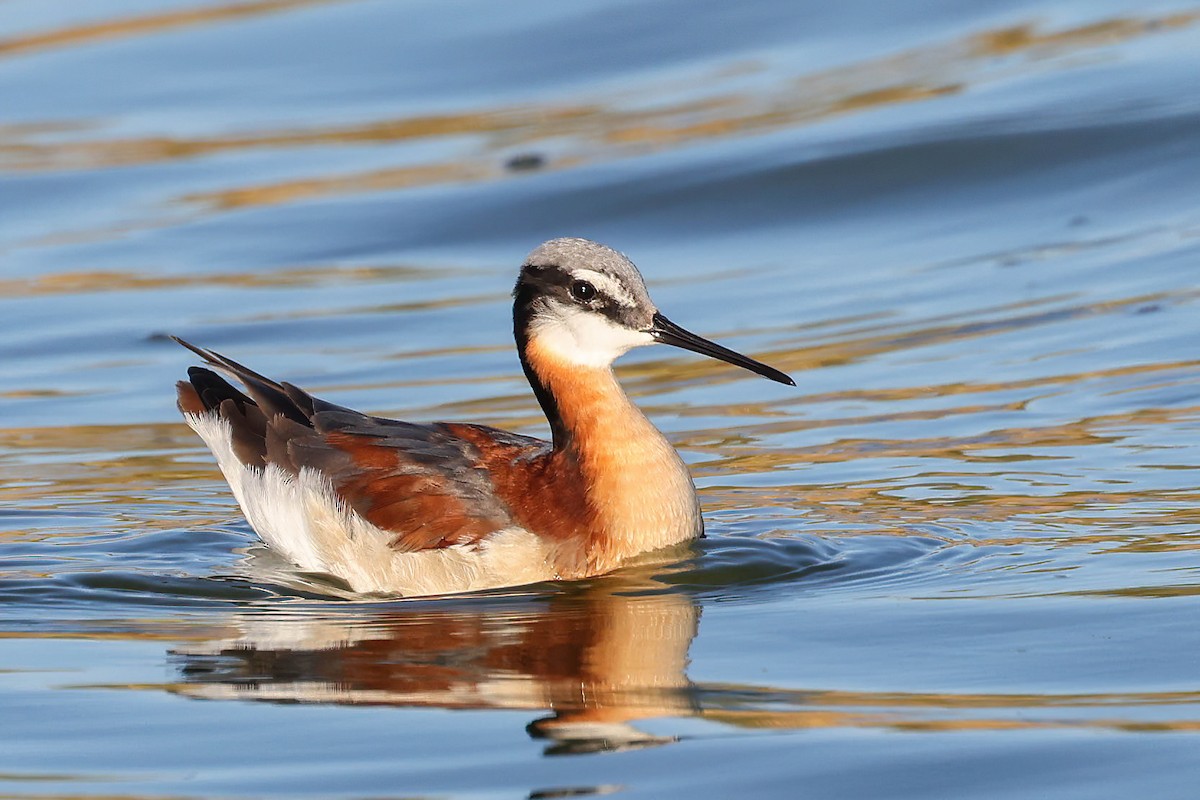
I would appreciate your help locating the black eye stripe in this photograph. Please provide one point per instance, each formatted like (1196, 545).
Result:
(553, 280)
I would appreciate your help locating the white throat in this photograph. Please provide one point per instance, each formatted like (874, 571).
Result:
(583, 338)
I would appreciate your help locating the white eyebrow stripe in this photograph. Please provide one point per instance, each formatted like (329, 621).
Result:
(607, 285)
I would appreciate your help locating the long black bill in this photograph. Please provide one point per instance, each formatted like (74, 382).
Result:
(668, 332)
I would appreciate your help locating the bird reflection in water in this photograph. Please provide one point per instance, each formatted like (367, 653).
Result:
(597, 656)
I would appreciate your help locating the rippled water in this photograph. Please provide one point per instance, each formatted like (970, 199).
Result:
(960, 560)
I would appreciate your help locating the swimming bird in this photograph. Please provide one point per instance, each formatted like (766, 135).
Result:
(421, 509)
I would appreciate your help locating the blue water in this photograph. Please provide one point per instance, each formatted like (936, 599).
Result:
(959, 560)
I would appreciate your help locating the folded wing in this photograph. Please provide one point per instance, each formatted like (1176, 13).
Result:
(422, 483)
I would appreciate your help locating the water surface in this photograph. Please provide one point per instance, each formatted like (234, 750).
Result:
(959, 560)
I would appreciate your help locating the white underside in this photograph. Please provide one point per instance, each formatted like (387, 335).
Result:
(301, 517)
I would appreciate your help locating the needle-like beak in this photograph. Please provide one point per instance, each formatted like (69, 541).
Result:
(667, 332)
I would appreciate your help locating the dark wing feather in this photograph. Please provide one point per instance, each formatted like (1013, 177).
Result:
(421, 482)
(268, 395)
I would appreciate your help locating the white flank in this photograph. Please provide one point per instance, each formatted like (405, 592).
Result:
(301, 517)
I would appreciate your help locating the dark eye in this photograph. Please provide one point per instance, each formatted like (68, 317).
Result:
(583, 291)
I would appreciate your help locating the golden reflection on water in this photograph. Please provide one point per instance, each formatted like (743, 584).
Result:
(120, 470)
(95, 282)
(601, 129)
(149, 24)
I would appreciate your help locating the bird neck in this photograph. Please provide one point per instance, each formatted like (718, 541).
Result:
(637, 485)
(582, 402)
(585, 405)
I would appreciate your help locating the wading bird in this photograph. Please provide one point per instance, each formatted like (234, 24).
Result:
(418, 509)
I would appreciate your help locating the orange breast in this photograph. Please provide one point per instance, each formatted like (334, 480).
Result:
(613, 489)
